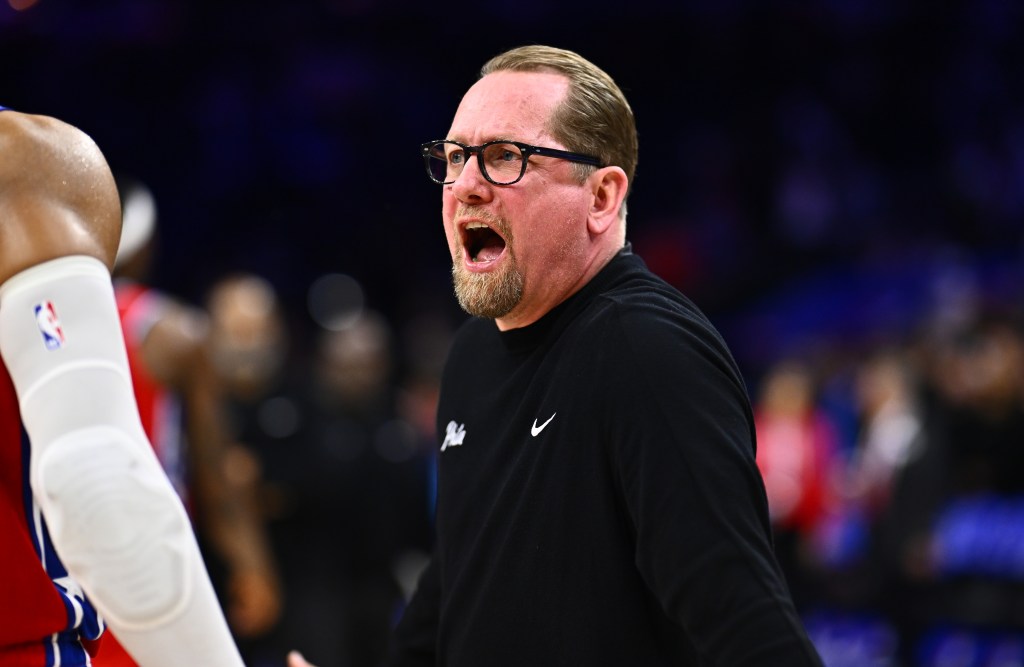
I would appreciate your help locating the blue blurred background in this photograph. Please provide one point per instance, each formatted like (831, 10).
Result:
(861, 146)
(835, 183)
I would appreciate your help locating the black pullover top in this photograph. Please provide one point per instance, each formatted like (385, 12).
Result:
(598, 499)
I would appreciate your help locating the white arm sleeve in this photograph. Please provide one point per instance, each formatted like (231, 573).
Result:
(114, 518)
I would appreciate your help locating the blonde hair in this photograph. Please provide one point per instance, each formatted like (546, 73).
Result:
(594, 118)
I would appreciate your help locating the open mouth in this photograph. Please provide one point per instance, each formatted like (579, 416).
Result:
(482, 243)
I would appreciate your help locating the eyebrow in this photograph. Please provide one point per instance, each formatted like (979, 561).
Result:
(486, 141)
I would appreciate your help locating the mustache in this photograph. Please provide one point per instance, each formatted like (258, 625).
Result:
(494, 221)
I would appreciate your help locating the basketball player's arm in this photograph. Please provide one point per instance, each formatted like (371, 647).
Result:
(113, 517)
(176, 352)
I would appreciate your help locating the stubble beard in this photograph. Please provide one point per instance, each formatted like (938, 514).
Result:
(490, 295)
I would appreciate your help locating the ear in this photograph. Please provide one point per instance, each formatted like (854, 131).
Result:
(608, 188)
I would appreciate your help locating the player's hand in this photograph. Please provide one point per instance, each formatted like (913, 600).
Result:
(254, 602)
(295, 659)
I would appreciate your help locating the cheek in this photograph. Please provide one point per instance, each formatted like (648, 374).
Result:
(539, 245)
(448, 202)
(449, 235)
(448, 207)
(562, 225)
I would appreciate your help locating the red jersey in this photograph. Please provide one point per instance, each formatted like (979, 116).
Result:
(140, 307)
(45, 619)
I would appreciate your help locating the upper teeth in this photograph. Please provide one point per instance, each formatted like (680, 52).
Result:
(476, 225)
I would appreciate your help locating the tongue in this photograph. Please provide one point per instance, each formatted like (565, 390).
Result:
(490, 251)
(488, 254)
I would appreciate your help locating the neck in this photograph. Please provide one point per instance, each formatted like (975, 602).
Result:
(523, 317)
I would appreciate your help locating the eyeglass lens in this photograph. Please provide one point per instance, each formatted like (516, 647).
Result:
(502, 163)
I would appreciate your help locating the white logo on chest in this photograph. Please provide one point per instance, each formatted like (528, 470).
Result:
(535, 430)
(454, 434)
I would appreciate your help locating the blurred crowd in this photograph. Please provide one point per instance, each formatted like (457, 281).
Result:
(895, 478)
(308, 466)
(339, 443)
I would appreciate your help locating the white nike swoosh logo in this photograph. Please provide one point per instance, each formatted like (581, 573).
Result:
(535, 430)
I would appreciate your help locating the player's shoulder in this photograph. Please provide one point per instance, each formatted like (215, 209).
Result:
(57, 195)
(34, 146)
(28, 130)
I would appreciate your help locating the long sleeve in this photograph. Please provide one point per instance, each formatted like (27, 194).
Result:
(683, 446)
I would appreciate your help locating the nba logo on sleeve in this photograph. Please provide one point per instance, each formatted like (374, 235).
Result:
(49, 326)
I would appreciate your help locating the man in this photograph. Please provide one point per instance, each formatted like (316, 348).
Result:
(598, 501)
(93, 532)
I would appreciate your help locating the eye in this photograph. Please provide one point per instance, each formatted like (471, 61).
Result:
(456, 157)
(502, 155)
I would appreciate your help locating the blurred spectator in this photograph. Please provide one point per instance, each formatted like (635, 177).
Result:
(884, 494)
(798, 456)
(980, 384)
(345, 480)
(268, 425)
(980, 377)
(250, 334)
(891, 429)
(372, 486)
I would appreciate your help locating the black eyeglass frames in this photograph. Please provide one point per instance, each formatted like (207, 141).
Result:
(501, 162)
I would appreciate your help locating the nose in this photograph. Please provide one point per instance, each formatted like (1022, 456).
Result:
(470, 185)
